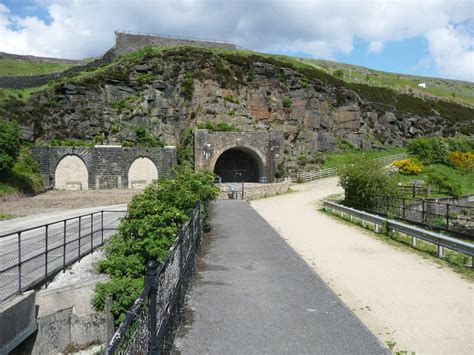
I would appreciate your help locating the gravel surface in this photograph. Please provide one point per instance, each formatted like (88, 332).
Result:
(404, 298)
(56, 200)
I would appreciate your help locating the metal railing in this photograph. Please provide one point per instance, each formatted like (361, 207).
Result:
(30, 257)
(441, 241)
(150, 321)
(322, 173)
(451, 217)
(182, 38)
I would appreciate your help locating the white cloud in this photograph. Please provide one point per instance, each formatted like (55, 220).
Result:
(322, 28)
(375, 47)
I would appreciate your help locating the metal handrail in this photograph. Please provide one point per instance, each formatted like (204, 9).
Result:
(428, 236)
(36, 257)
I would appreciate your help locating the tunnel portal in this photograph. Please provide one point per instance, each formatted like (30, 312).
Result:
(236, 165)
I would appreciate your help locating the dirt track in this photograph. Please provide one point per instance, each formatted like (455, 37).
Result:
(52, 201)
(401, 296)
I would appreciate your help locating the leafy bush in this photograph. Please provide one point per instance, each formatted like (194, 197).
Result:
(23, 176)
(9, 145)
(143, 138)
(461, 143)
(461, 160)
(429, 149)
(363, 180)
(408, 166)
(443, 181)
(147, 232)
(287, 102)
(187, 87)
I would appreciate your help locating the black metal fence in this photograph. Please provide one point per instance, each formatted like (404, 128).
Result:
(451, 217)
(149, 323)
(30, 257)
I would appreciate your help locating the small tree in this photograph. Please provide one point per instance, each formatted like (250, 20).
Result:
(365, 180)
(9, 145)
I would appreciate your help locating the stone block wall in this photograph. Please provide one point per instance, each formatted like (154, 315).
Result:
(107, 166)
(252, 191)
(128, 42)
(265, 147)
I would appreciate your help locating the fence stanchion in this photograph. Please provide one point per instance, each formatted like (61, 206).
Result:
(79, 239)
(150, 282)
(92, 233)
(403, 207)
(19, 261)
(46, 256)
(102, 227)
(447, 216)
(64, 247)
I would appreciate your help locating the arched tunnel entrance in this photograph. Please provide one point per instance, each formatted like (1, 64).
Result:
(239, 164)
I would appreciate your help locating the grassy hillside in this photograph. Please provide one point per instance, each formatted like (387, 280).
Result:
(451, 90)
(15, 67)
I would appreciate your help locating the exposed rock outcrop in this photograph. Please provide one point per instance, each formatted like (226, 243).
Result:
(179, 88)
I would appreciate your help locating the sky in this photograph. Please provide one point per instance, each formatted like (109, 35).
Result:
(418, 37)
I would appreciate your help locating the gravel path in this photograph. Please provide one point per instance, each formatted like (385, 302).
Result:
(56, 200)
(401, 296)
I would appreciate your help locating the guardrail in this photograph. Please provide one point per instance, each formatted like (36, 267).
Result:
(322, 173)
(441, 241)
(149, 322)
(30, 257)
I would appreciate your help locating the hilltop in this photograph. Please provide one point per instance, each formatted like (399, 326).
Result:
(162, 93)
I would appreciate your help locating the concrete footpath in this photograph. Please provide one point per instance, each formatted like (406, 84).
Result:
(254, 295)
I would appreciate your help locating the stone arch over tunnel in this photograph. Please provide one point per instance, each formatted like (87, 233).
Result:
(141, 173)
(71, 173)
(240, 164)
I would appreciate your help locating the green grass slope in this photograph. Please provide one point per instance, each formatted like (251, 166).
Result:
(16, 67)
(461, 92)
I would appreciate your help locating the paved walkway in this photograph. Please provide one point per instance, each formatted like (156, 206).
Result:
(254, 295)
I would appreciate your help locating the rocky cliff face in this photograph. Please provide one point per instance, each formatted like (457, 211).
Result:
(174, 89)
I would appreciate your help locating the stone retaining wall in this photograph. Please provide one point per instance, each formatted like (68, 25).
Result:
(252, 191)
(128, 42)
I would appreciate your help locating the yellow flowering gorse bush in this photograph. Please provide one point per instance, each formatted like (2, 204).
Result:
(408, 166)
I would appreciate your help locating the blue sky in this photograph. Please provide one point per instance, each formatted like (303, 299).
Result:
(432, 38)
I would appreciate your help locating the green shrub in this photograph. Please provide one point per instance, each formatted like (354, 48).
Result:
(287, 102)
(429, 150)
(461, 143)
(144, 138)
(147, 232)
(9, 145)
(442, 181)
(363, 180)
(187, 87)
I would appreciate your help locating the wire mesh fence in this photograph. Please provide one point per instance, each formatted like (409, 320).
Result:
(451, 217)
(149, 323)
(30, 257)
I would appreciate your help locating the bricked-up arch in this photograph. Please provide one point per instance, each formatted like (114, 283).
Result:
(71, 174)
(141, 173)
(239, 164)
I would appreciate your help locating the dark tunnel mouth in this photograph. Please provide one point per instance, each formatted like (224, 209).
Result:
(237, 165)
